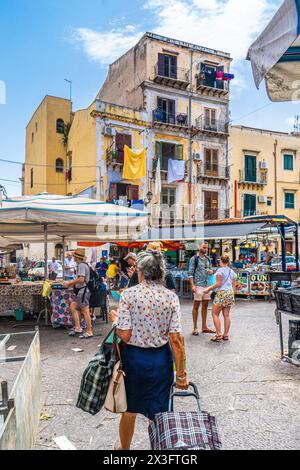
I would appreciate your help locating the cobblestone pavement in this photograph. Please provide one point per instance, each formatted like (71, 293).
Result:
(243, 383)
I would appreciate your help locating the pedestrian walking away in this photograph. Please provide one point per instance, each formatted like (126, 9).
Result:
(149, 324)
(199, 272)
(225, 298)
(82, 292)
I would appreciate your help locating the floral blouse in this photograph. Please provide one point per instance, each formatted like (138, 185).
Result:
(152, 312)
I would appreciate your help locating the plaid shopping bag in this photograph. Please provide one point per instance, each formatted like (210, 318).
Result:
(195, 430)
(96, 379)
(184, 431)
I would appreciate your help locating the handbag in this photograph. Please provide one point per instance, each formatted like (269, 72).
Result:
(96, 378)
(116, 400)
(194, 430)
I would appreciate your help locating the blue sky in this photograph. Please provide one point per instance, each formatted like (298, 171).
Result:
(42, 42)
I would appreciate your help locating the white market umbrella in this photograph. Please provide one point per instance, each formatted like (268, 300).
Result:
(275, 55)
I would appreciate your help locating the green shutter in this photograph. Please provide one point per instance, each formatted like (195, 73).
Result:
(179, 152)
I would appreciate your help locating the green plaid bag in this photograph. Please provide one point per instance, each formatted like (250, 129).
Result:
(96, 378)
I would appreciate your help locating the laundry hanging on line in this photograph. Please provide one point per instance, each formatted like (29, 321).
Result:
(176, 170)
(134, 164)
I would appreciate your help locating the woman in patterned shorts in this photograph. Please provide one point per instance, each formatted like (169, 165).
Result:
(224, 299)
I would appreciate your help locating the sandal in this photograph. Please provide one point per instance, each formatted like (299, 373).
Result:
(85, 336)
(217, 339)
(209, 331)
(196, 332)
(225, 338)
(75, 333)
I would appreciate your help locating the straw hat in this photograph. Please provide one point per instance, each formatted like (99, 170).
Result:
(79, 253)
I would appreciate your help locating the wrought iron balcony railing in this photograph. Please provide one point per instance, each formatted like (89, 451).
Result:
(215, 126)
(163, 117)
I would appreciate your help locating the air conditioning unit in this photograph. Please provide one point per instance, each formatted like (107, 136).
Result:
(264, 165)
(109, 131)
(263, 199)
(197, 157)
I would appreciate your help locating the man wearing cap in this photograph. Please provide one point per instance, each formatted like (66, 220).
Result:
(132, 274)
(82, 301)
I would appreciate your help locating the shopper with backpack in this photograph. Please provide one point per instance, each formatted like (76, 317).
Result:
(83, 287)
(199, 272)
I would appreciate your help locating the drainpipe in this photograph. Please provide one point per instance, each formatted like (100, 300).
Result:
(235, 199)
(275, 175)
(190, 134)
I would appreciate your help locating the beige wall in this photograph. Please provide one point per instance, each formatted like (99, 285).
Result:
(263, 144)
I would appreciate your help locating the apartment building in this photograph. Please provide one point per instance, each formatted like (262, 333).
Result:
(265, 172)
(166, 96)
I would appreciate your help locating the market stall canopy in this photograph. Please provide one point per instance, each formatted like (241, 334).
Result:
(204, 232)
(275, 55)
(23, 219)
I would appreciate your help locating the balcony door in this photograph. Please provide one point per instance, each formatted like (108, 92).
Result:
(121, 141)
(249, 205)
(210, 119)
(211, 205)
(167, 109)
(211, 162)
(250, 168)
(167, 66)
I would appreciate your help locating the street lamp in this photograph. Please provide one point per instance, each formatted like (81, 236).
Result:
(149, 198)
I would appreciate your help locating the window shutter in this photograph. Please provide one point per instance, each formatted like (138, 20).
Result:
(179, 152)
(213, 118)
(173, 71)
(207, 117)
(220, 84)
(161, 65)
(113, 191)
(171, 112)
(215, 161)
(133, 193)
(158, 151)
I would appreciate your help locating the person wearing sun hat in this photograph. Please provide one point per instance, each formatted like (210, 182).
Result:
(82, 292)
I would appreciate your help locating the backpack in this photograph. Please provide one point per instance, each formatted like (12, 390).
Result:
(94, 283)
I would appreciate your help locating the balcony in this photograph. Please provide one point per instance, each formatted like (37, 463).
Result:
(214, 88)
(114, 158)
(163, 119)
(213, 172)
(214, 127)
(242, 214)
(253, 178)
(180, 78)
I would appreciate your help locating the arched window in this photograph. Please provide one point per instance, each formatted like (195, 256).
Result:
(60, 126)
(59, 165)
(59, 252)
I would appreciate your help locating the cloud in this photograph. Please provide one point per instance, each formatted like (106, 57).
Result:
(105, 47)
(227, 25)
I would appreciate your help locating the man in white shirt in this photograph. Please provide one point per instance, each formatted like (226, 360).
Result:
(69, 267)
(53, 269)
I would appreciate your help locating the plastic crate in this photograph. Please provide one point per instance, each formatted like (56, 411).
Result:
(283, 300)
(295, 302)
(294, 339)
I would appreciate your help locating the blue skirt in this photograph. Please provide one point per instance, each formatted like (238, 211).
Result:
(148, 380)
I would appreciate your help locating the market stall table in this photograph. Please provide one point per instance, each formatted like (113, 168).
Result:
(25, 295)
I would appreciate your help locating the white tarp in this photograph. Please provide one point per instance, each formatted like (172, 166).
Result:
(271, 57)
(23, 219)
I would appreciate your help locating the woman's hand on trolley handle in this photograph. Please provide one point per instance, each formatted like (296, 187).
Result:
(182, 382)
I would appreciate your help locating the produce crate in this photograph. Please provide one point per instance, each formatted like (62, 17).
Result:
(295, 302)
(283, 300)
(294, 339)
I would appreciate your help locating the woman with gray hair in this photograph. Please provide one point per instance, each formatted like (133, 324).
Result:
(149, 325)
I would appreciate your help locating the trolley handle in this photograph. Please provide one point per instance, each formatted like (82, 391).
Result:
(184, 394)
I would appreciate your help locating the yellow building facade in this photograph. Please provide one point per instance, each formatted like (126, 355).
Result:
(45, 154)
(265, 172)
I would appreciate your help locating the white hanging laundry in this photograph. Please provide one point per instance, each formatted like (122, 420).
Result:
(176, 170)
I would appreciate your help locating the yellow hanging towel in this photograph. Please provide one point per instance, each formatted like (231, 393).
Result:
(134, 164)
